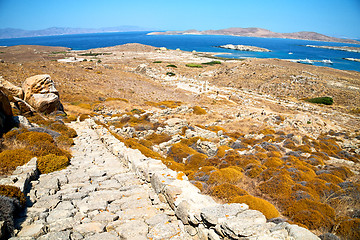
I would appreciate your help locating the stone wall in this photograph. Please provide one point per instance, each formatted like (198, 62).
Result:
(201, 215)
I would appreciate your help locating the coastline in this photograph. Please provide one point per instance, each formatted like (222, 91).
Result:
(236, 35)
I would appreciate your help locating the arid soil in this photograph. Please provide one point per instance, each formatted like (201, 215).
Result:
(256, 108)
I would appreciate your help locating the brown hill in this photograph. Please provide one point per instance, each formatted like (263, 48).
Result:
(260, 32)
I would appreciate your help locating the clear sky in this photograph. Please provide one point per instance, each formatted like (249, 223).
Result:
(340, 18)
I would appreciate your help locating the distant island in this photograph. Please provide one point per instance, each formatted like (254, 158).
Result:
(244, 48)
(18, 33)
(343, 48)
(260, 32)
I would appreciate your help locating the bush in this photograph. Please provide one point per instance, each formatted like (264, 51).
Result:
(157, 62)
(171, 65)
(179, 151)
(259, 204)
(212, 63)
(349, 228)
(10, 159)
(227, 192)
(194, 65)
(312, 214)
(225, 175)
(51, 163)
(158, 138)
(198, 110)
(170, 74)
(13, 192)
(321, 100)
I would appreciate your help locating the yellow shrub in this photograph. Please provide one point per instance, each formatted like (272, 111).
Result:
(174, 165)
(349, 228)
(267, 131)
(70, 118)
(322, 187)
(195, 161)
(276, 154)
(51, 163)
(158, 138)
(273, 162)
(312, 214)
(13, 192)
(133, 143)
(63, 129)
(179, 151)
(254, 171)
(259, 204)
(117, 99)
(83, 117)
(342, 172)
(198, 110)
(330, 178)
(225, 175)
(34, 138)
(314, 194)
(278, 186)
(227, 192)
(64, 141)
(221, 151)
(10, 159)
(215, 129)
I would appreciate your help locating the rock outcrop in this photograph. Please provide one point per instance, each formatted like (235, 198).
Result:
(5, 113)
(40, 93)
(10, 89)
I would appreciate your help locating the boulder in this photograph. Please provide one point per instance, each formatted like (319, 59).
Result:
(24, 107)
(40, 93)
(10, 89)
(6, 122)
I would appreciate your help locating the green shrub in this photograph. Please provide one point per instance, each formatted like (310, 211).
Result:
(212, 63)
(157, 62)
(170, 74)
(51, 163)
(194, 65)
(171, 65)
(321, 100)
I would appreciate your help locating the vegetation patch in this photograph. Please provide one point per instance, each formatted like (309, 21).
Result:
(199, 111)
(117, 99)
(13, 192)
(321, 100)
(91, 54)
(194, 65)
(259, 204)
(51, 163)
(170, 74)
(172, 66)
(165, 104)
(157, 62)
(225, 175)
(10, 159)
(212, 63)
(227, 192)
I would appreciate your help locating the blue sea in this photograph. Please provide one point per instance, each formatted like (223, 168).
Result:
(280, 48)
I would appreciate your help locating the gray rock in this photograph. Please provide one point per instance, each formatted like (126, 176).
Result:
(164, 231)
(299, 233)
(91, 227)
(246, 224)
(56, 236)
(102, 236)
(135, 229)
(211, 215)
(161, 218)
(328, 236)
(56, 215)
(63, 224)
(33, 230)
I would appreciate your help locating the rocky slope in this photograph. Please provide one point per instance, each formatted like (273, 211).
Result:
(238, 130)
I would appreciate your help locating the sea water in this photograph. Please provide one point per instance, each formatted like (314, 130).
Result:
(280, 48)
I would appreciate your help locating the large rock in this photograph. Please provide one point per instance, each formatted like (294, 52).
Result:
(6, 114)
(40, 93)
(10, 89)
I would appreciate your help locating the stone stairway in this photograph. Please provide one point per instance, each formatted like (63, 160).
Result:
(96, 197)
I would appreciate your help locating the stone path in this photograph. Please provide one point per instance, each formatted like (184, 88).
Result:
(96, 197)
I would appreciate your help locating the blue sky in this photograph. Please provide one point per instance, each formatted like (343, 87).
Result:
(339, 18)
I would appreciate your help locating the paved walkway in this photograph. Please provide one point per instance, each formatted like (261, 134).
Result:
(96, 197)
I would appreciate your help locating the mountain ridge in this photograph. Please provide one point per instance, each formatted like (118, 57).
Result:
(261, 32)
(53, 31)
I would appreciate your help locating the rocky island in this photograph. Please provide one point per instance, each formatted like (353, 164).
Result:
(140, 142)
(244, 48)
(260, 32)
(343, 48)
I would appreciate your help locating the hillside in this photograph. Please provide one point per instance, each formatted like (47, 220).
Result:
(241, 131)
(19, 33)
(263, 33)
